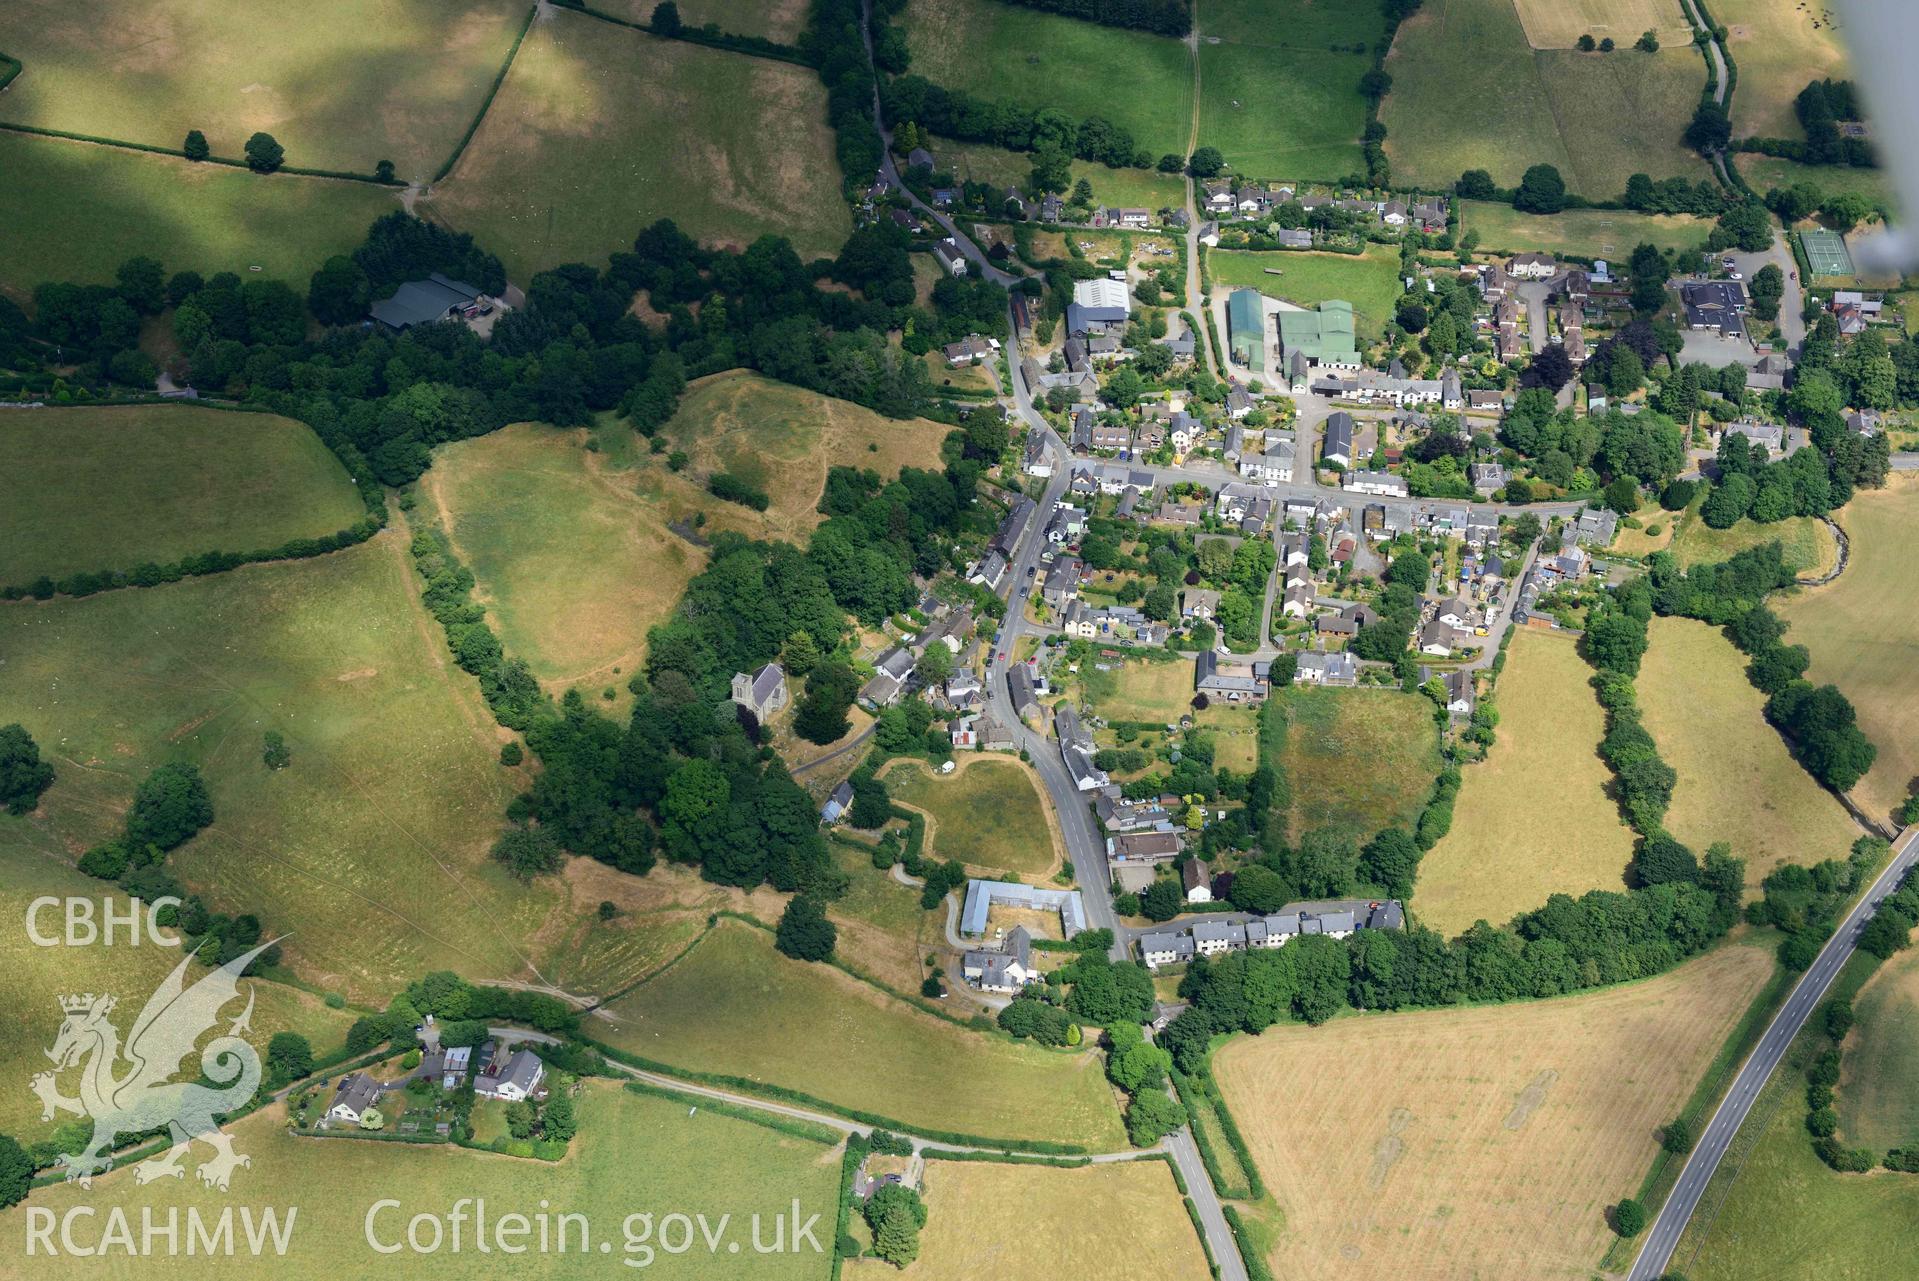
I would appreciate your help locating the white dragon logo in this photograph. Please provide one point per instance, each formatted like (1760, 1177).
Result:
(146, 1098)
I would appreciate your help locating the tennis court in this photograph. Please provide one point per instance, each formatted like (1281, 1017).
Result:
(1826, 253)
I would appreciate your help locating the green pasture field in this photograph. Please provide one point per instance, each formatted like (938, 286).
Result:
(1859, 629)
(634, 1153)
(33, 978)
(1878, 1090)
(1780, 46)
(1780, 1212)
(370, 849)
(97, 488)
(1762, 173)
(1235, 733)
(1132, 188)
(1141, 82)
(987, 814)
(600, 131)
(1370, 281)
(779, 20)
(1469, 92)
(735, 1006)
(1737, 781)
(1808, 545)
(76, 212)
(1358, 760)
(1142, 690)
(1279, 94)
(347, 84)
(1587, 233)
(1534, 818)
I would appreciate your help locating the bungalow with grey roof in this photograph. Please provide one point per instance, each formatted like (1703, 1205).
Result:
(1008, 968)
(948, 252)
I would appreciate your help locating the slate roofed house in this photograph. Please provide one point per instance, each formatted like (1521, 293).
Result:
(1484, 398)
(1235, 680)
(516, 1082)
(948, 252)
(889, 679)
(1533, 266)
(969, 349)
(1143, 847)
(1337, 443)
(1487, 478)
(1430, 214)
(1166, 947)
(1196, 879)
(1007, 969)
(919, 156)
(1294, 238)
(1598, 526)
(356, 1095)
(1439, 639)
(1339, 668)
(423, 302)
(1198, 602)
(762, 693)
(837, 804)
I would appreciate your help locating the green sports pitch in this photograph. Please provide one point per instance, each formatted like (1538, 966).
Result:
(1826, 253)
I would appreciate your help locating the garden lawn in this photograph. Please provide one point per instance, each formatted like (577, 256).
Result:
(1141, 82)
(1235, 733)
(1477, 1142)
(1778, 1211)
(1357, 760)
(1808, 545)
(1534, 818)
(344, 85)
(1878, 1090)
(1136, 188)
(34, 978)
(370, 850)
(91, 489)
(76, 212)
(1066, 1222)
(1370, 282)
(1469, 92)
(1859, 629)
(1737, 781)
(634, 1153)
(1780, 46)
(987, 814)
(736, 1007)
(1142, 690)
(1583, 233)
(600, 131)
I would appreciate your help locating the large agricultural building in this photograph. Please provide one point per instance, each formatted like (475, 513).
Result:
(1324, 337)
(1246, 328)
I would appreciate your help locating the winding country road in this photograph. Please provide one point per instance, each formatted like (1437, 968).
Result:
(1663, 1238)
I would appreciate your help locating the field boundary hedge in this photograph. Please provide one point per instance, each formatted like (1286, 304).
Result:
(486, 103)
(792, 1127)
(9, 68)
(726, 41)
(298, 171)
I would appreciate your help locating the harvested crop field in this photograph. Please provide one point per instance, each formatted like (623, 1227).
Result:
(113, 488)
(1066, 1219)
(341, 86)
(1597, 118)
(736, 1007)
(1859, 629)
(1482, 1142)
(1737, 781)
(1558, 24)
(587, 144)
(1534, 818)
(1357, 760)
